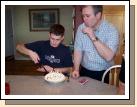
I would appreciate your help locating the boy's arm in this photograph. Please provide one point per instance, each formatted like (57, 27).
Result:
(33, 55)
(65, 69)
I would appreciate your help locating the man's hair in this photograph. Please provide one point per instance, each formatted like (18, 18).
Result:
(57, 29)
(96, 8)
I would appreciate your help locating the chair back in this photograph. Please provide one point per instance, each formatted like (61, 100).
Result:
(113, 75)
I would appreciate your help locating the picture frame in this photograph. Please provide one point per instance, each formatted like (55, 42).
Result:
(42, 19)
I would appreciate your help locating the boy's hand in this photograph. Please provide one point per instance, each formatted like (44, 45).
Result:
(41, 69)
(48, 68)
(34, 56)
(45, 69)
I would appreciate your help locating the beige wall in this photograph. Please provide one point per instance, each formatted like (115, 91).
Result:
(21, 25)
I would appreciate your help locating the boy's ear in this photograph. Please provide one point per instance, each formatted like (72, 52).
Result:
(49, 34)
(63, 37)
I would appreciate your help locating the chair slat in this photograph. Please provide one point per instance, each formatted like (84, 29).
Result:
(113, 74)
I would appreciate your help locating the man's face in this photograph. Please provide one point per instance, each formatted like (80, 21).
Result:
(55, 40)
(89, 18)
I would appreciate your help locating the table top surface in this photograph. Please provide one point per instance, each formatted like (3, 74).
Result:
(36, 85)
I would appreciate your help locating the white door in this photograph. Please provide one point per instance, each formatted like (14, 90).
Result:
(9, 50)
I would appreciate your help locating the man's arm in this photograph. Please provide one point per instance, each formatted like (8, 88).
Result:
(33, 55)
(103, 50)
(77, 60)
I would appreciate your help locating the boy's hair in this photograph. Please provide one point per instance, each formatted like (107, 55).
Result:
(57, 29)
(96, 8)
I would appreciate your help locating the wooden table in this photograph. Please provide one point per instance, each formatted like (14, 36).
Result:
(36, 85)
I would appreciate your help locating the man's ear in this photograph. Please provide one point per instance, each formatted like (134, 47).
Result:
(98, 15)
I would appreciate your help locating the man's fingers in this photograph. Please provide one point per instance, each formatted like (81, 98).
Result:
(75, 75)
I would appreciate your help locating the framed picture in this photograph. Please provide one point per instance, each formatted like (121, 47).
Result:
(42, 19)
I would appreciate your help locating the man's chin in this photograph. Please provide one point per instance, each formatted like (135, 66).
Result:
(87, 25)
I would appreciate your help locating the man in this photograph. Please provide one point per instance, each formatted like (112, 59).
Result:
(95, 45)
(53, 55)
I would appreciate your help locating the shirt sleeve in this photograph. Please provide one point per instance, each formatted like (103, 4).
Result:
(34, 46)
(113, 40)
(78, 42)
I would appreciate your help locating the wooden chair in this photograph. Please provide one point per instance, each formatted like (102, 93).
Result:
(113, 75)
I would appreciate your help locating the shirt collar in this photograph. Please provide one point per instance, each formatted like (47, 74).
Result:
(100, 26)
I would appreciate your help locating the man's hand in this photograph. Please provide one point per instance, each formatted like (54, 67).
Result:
(34, 56)
(75, 74)
(89, 31)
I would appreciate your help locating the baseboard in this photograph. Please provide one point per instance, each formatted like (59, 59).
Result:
(9, 58)
(22, 58)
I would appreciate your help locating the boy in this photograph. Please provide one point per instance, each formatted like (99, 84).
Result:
(51, 54)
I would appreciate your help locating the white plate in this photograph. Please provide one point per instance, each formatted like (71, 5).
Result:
(55, 77)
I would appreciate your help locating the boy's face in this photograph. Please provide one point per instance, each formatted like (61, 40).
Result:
(55, 40)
